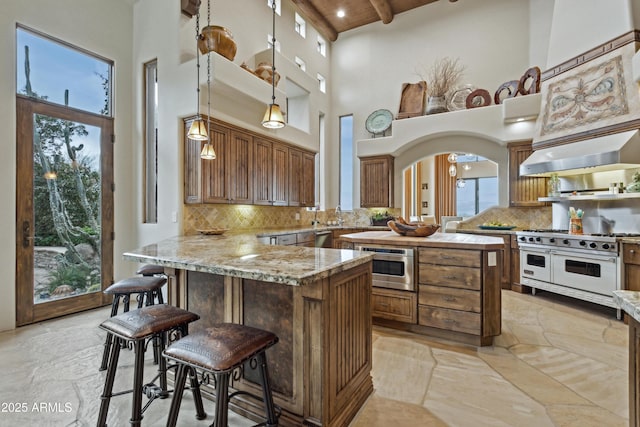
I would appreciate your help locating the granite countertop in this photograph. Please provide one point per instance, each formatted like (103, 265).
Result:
(481, 231)
(629, 301)
(436, 240)
(240, 254)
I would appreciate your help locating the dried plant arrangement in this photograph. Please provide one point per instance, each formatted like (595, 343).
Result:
(443, 76)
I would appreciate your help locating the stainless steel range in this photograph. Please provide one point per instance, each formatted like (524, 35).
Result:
(587, 267)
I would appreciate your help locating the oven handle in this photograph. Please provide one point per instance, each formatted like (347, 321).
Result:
(591, 259)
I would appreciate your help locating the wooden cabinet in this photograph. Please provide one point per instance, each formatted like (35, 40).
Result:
(524, 190)
(248, 169)
(631, 258)
(506, 279)
(337, 242)
(376, 181)
(393, 305)
(459, 293)
(634, 372)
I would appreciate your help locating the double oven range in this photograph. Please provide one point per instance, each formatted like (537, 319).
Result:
(588, 267)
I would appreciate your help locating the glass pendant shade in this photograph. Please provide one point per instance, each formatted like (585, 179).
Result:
(453, 170)
(208, 153)
(273, 118)
(453, 157)
(198, 130)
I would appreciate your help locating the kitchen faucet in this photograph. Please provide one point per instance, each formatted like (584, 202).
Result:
(339, 215)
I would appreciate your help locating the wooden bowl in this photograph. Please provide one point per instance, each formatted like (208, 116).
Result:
(410, 230)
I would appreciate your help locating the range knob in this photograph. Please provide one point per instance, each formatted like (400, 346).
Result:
(552, 240)
(522, 239)
(538, 239)
(592, 245)
(531, 239)
(583, 243)
(565, 241)
(605, 246)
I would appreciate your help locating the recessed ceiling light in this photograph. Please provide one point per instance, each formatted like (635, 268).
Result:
(340, 13)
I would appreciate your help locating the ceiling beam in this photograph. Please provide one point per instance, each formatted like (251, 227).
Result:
(383, 9)
(319, 22)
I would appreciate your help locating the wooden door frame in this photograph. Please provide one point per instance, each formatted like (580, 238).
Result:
(26, 311)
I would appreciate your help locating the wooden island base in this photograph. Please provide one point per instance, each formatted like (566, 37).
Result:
(320, 368)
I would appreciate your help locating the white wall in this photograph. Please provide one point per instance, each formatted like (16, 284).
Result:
(104, 28)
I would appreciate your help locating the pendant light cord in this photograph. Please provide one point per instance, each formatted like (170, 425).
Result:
(209, 75)
(198, 62)
(273, 53)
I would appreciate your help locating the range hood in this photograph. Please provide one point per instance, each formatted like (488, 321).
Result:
(606, 153)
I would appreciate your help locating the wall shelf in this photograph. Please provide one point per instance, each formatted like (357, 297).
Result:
(597, 196)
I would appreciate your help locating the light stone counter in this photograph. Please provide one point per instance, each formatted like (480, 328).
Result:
(241, 255)
(629, 301)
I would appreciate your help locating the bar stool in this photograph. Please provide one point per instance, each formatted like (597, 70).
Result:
(220, 350)
(151, 270)
(138, 328)
(148, 291)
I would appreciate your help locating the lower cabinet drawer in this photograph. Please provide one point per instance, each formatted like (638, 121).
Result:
(453, 320)
(394, 305)
(456, 299)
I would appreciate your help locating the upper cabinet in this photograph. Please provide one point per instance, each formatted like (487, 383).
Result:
(376, 181)
(248, 169)
(524, 190)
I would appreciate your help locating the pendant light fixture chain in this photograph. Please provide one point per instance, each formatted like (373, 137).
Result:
(273, 117)
(208, 152)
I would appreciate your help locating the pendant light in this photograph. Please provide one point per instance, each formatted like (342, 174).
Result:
(208, 153)
(198, 129)
(273, 118)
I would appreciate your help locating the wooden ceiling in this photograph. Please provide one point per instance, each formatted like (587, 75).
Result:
(322, 14)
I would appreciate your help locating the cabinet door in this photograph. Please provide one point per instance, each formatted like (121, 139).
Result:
(524, 190)
(280, 174)
(192, 167)
(376, 181)
(295, 177)
(262, 172)
(308, 179)
(215, 187)
(239, 174)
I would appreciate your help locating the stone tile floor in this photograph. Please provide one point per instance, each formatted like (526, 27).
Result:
(558, 362)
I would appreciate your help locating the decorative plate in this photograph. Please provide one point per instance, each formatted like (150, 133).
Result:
(457, 99)
(212, 231)
(379, 121)
(496, 227)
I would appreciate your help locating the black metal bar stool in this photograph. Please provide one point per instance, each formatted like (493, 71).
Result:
(220, 350)
(138, 328)
(147, 290)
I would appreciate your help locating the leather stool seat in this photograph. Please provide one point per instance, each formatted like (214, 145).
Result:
(150, 270)
(148, 290)
(151, 323)
(220, 350)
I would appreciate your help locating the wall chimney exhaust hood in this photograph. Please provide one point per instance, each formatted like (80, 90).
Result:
(606, 153)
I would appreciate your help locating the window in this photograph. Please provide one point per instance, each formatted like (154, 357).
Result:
(278, 5)
(300, 63)
(322, 83)
(346, 163)
(474, 195)
(322, 46)
(151, 142)
(62, 74)
(300, 25)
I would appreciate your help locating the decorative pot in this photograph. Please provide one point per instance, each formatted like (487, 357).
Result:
(436, 104)
(217, 39)
(264, 70)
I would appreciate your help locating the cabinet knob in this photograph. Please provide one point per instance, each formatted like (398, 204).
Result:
(632, 251)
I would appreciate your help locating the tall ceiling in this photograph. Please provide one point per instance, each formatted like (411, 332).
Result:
(323, 14)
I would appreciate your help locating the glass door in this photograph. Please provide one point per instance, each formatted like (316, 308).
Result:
(65, 204)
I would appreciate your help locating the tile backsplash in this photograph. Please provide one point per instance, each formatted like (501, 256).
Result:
(206, 216)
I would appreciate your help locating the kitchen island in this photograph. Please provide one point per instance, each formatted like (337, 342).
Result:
(629, 301)
(456, 293)
(316, 300)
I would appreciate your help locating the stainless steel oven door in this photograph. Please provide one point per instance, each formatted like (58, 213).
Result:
(535, 263)
(599, 274)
